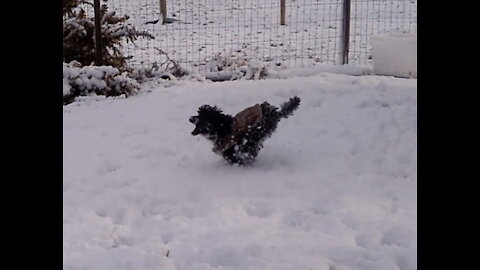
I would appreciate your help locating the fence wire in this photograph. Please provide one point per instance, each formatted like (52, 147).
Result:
(201, 32)
(378, 17)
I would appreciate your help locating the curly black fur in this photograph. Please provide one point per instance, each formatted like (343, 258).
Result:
(216, 126)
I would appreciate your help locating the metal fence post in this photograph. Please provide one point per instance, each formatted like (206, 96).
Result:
(163, 10)
(345, 31)
(98, 34)
(282, 12)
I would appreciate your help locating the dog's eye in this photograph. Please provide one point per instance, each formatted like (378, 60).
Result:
(194, 120)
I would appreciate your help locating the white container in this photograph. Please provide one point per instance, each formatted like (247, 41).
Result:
(395, 55)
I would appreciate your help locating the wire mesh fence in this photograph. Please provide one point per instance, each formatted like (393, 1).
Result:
(199, 33)
(378, 17)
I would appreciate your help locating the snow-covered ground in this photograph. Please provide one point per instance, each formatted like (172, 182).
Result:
(333, 189)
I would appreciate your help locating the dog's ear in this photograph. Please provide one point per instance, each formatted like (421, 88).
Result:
(208, 109)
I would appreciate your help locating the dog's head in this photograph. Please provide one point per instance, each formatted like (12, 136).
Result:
(211, 122)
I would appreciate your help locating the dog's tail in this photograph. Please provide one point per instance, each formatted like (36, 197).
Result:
(287, 108)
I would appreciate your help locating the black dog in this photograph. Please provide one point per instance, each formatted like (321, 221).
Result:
(239, 138)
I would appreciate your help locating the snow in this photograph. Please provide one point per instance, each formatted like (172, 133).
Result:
(89, 79)
(66, 87)
(395, 55)
(333, 188)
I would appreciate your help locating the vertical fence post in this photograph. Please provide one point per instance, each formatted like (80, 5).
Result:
(163, 10)
(98, 34)
(345, 31)
(282, 12)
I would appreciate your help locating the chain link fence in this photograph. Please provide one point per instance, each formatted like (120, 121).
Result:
(198, 33)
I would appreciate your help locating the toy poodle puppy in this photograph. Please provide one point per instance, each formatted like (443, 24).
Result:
(239, 138)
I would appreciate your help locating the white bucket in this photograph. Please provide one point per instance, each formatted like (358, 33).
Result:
(395, 55)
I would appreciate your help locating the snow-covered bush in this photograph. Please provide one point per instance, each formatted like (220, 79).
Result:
(79, 34)
(99, 80)
(234, 65)
(167, 68)
(227, 61)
